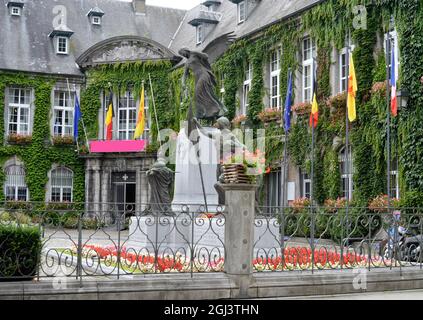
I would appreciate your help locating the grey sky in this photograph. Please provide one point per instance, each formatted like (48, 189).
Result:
(180, 4)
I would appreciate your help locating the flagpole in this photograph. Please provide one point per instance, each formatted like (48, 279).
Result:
(347, 150)
(388, 120)
(70, 101)
(155, 111)
(312, 165)
(285, 162)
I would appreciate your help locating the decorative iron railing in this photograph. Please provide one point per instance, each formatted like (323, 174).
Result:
(112, 240)
(318, 238)
(39, 240)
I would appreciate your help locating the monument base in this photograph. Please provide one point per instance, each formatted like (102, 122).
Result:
(188, 182)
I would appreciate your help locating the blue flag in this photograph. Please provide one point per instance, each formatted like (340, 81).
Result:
(76, 118)
(288, 103)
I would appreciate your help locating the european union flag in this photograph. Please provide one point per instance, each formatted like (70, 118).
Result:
(288, 103)
(76, 118)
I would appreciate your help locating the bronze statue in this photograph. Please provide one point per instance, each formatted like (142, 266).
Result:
(160, 179)
(208, 106)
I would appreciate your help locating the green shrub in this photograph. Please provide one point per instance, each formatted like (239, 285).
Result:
(20, 250)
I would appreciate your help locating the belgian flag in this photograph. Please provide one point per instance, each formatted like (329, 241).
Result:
(314, 115)
(109, 118)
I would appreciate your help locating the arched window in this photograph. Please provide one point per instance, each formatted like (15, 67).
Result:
(15, 188)
(61, 185)
(346, 163)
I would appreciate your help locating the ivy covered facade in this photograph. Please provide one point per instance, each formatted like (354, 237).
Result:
(87, 61)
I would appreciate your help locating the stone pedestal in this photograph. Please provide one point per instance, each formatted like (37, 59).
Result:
(188, 188)
(239, 234)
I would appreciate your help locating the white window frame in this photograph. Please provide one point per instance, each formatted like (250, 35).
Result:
(67, 108)
(275, 72)
(343, 80)
(16, 13)
(394, 36)
(61, 186)
(147, 115)
(348, 174)
(308, 64)
(58, 51)
(246, 88)
(242, 11)
(305, 180)
(21, 107)
(128, 132)
(200, 34)
(395, 178)
(96, 20)
(19, 171)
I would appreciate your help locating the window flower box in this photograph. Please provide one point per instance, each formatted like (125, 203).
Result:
(19, 139)
(301, 109)
(63, 140)
(270, 115)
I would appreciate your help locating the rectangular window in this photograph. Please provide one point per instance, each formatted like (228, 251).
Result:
(305, 185)
(343, 71)
(127, 116)
(274, 189)
(242, 11)
(62, 45)
(308, 66)
(246, 88)
(16, 11)
(394, 188)
(63, 108)
(275, 70)
(200, 34)
(96, 20)
(19, 111)
(15, 188)
(346, 164)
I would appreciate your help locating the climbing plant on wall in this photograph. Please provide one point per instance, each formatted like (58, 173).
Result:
(39, 155)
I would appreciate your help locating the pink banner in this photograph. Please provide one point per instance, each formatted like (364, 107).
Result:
(117, 146)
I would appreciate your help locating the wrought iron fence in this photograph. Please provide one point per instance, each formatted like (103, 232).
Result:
(320, 238)
(39, 240)
(113, 240)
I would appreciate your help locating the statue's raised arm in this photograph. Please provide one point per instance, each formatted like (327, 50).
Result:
(207, 104)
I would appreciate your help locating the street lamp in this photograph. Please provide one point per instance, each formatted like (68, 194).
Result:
(402, 97)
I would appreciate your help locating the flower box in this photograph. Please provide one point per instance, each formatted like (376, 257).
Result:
(270, 115)
(20, 139)
(63, 140)
(301, 109)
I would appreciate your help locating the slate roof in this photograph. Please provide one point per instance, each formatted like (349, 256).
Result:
(25, 45)
(265, 13)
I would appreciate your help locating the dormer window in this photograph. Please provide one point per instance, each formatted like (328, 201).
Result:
(96, 20)
(200, 34)
(242, 11)
(15, 8)
(95, 15)
(61, 36)
(62, 45)
(15, 11)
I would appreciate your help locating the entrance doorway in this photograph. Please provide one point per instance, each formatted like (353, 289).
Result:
(124, 187)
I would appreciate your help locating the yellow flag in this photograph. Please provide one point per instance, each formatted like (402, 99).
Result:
(352, 90)
(139, 130)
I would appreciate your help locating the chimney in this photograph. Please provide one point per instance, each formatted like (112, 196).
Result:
(139, 6)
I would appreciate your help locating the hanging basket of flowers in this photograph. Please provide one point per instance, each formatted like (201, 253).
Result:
(243, 167)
